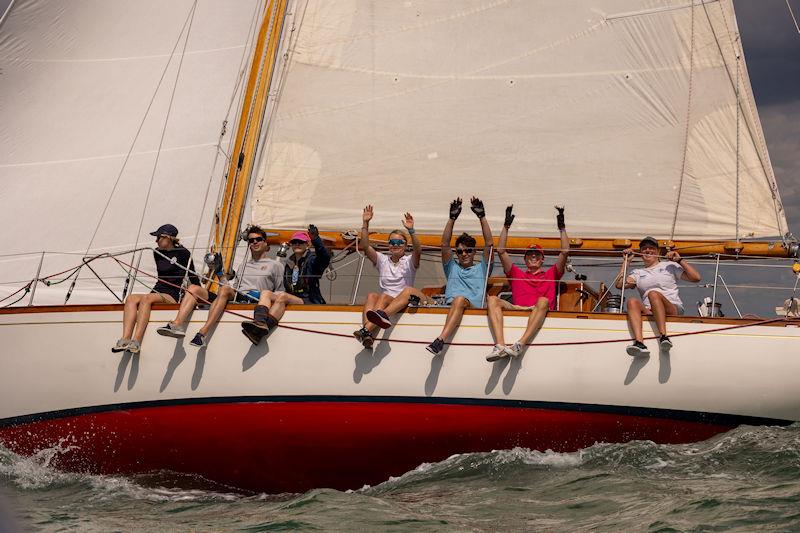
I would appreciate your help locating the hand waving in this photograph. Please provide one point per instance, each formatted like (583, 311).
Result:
(477, 207)
(509, 217)
(367, 215)
(313, 232)
(560, 218)
(408, 222)
(455, 208)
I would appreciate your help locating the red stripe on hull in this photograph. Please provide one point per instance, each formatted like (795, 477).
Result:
(293, 447)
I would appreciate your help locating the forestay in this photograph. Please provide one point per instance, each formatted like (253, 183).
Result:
(78, 78)
(623, 110)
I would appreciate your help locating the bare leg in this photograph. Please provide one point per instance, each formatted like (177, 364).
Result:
(495, 315)
(225, 295)
(660, 308)
(190, 298)
(635, 310)
(535, 320)
(281, 301)
(400, 301)
(129, 314)
(143, 313)
(372, 300)
(454, 316)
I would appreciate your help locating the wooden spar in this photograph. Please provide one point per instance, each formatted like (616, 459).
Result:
(229, 214)
(580, 247)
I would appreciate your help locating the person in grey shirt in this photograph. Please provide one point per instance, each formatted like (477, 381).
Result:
(260, 274)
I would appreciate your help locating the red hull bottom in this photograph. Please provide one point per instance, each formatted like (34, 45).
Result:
(295, 446)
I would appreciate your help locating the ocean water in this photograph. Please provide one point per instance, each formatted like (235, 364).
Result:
(745, 480)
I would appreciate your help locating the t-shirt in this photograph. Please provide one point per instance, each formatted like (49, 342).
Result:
(263, 275)
(170, 275)
(467, 282)
(394, 277)
(527, 287)
(662, 276)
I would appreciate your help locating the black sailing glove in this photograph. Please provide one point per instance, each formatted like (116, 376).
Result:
(560, 219)
(509, 217)
(313, 232)
(455, 208)
(477, 207)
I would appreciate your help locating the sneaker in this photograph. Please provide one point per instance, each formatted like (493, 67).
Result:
(199, 340)
(637, 348)
(413, 300)
(171, 330)
(665, 343)
(379, 318)
(515, 349)
(134, 347)
(498, 352)
(121, 345)
(435, 347)
(364, 337)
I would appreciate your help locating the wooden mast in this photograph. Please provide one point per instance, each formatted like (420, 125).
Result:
(229, 213)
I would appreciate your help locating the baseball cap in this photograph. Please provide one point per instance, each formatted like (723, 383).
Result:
(648, 240)
(534, 248)
(166, 229)
(300, 236)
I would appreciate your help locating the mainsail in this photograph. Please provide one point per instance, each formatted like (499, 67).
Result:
(110, 121)
(636, 114)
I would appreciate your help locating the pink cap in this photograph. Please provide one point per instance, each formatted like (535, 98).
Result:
(300, 236)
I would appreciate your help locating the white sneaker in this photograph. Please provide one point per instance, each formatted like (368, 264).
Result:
(515, 349)
(498, 352)
(171, 330)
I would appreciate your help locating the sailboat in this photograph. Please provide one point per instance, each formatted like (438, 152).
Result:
(120, 116)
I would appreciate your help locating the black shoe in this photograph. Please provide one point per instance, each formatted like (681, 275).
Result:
(637, 349)
(364, 337)
(255, 331)
(199, 340)
(665, 343)
(413, 300)
(435, 347)
(379, 318)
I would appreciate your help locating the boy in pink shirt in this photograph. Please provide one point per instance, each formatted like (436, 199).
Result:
(533, 289)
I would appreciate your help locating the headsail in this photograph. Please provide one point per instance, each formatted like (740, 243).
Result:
(77, 81)
(624, 110)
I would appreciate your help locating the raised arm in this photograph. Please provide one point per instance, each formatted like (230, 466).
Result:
(689, 272)
(416, 247)
(630, 281)
(322, 257)
(480, 212)
(561, 262)
(363, 242)
(447, 232)
(505, 259)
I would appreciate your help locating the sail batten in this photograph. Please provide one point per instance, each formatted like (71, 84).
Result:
(582, 103)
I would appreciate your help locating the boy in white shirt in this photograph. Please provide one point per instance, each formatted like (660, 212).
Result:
(396, 273)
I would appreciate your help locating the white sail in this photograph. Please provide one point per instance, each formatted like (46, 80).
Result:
(77, 81)
(623, 110)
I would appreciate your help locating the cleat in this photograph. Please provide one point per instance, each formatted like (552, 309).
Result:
(435, 347)
(121, 345)
(171, 330)
(637, 349)
(665, 343)
(379, 318)
(498, 352)
(199, 340)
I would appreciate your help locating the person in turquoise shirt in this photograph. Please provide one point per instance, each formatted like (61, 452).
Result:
(466, 279)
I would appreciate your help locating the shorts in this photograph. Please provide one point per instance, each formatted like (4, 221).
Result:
(250, 297)
(679, 310)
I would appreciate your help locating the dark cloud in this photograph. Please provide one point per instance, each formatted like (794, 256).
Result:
(772, 50)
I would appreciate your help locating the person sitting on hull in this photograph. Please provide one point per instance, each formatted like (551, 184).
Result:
(172, 260)
(301, 275)
(532, 289)
(260, 274)
(657, 284)
(396, 273)
(466, 279)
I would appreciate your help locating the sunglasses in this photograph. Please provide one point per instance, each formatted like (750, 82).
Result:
(464, 251)
(297, 242)
(163, 237)
(254, 240)
(397, 242)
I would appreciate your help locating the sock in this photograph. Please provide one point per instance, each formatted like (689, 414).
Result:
(261, 313)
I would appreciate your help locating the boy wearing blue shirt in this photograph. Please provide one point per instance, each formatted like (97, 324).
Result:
(466, 279)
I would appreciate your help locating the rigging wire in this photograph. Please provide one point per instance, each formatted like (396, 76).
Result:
(136, 136)
(794, 19)
(166, 120)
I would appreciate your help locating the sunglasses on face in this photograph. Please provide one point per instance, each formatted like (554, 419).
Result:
(397, 242)
(163, 237)
(464, 251)
(297, 242)
(253, 240)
